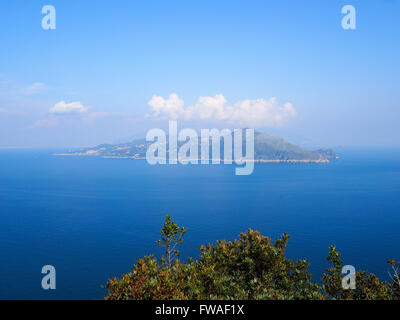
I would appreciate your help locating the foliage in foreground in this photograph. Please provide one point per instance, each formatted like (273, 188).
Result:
(252, 267)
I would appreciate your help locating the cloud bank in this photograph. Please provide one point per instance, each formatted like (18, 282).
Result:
(62, 108)
(249, 113)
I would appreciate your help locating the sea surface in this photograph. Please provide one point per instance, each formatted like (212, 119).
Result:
(92, 218)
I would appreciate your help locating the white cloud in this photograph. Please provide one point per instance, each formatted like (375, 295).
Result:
(99, 114)
(172, 107)
(251, 113)
(62, 108)
(34, 88)
(45, 123)
(11, 112)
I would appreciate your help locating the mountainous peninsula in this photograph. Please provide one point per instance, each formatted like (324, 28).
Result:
(267, 148)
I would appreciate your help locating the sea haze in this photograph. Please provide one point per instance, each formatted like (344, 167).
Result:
(92, 218)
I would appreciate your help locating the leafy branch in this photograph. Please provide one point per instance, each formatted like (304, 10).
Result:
(171, 236)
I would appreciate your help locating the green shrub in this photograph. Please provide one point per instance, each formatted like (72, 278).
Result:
(251, 267)
(368, 285)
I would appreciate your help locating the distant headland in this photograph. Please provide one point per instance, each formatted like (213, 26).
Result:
(267, 148)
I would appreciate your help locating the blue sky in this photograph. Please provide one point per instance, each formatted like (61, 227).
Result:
(106, 60)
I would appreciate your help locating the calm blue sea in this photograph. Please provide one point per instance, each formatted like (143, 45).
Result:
(92, 218)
